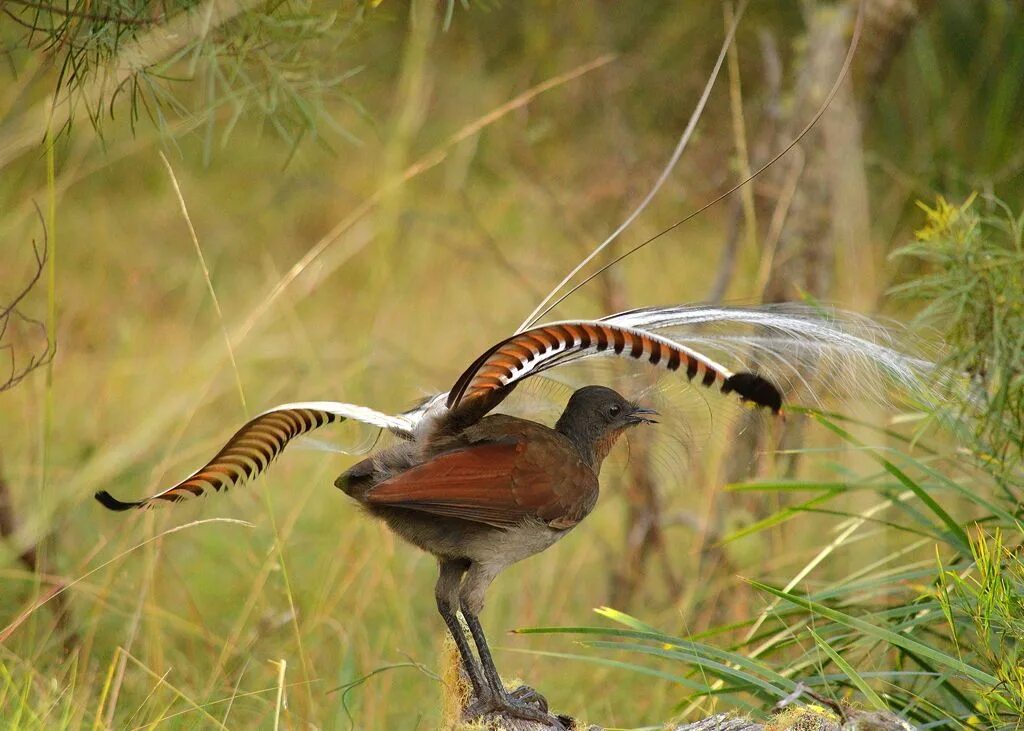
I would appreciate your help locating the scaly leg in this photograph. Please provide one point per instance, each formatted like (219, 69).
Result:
(518, 703)
(446, 591)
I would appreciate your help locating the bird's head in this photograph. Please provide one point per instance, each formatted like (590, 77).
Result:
(596, 416)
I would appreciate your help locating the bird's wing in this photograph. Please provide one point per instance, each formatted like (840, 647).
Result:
(501, 367)
(500, 484)
(253, 447)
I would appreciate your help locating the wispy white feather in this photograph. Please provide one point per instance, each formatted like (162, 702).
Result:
(793, 344)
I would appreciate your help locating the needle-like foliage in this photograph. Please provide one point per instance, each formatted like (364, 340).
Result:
(974, 292)
(201, 61)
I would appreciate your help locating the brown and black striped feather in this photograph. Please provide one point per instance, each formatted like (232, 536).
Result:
(493, 375)
(249, 452)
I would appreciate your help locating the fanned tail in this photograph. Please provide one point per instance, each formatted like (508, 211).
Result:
(250, 451)
(791, 343)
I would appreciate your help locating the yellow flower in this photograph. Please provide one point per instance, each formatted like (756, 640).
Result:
(940, 220)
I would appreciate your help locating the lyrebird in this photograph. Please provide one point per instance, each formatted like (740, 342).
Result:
(482, 492)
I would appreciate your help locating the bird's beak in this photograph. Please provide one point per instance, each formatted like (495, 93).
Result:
(642, 415)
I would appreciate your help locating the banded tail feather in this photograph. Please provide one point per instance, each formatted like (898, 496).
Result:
(250, 451)
(501, 367)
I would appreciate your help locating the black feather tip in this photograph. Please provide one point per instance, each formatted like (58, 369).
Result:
(112, 503)
(754, 388)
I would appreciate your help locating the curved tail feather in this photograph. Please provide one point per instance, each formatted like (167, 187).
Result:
(253, 447)
(495, 373)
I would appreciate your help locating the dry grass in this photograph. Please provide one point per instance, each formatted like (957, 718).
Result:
(251, 625)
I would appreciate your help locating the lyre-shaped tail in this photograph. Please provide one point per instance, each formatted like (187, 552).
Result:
(253, 447)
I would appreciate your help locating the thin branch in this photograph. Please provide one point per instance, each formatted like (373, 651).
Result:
(40, 263)
(24, 24)
(11, 312)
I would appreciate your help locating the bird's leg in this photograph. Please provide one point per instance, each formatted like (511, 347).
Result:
(486, 661)
(523, 693)
(517, 703)
(446, 591)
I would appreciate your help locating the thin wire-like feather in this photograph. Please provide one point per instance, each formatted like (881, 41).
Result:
(253, 447)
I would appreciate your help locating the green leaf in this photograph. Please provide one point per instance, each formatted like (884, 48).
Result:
(630, 621)
(779, 517)
(620, 665)
(696, 652)
(779, 688)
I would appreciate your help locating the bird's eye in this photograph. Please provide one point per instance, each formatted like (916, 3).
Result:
(614, 410)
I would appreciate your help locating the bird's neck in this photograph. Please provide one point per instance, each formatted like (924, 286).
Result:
(591, 450)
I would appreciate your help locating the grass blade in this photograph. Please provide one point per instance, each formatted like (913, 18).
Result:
(853, 675)
(882, 634)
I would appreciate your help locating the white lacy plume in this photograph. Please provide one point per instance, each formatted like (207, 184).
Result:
(801, 348)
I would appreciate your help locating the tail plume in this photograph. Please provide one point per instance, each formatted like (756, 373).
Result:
(253, 447)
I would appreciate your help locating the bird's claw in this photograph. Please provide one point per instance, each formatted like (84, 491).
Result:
(526, 694)
(518, 704)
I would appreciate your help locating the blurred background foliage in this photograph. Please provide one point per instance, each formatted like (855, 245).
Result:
(376, 203)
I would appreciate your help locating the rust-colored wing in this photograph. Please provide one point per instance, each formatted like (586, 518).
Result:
(500, 484)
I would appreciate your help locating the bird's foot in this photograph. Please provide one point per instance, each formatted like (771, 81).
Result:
(526, 694)
(523, 702)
